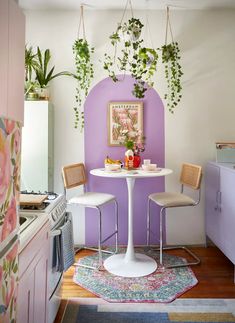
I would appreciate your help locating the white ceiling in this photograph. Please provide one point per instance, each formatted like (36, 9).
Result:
(120, 4)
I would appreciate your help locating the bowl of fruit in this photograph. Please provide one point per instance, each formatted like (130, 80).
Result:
(112, 165)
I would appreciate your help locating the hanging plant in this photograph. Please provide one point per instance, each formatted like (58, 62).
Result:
(173, 70)
(84, 73)
(173, 73)
(139, 61)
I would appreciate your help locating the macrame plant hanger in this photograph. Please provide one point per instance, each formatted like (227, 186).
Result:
(81, 26)
(128, 2)
(125, 9)
(168, 25)
(147, 29)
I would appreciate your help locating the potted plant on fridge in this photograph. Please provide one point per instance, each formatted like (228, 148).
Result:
(43, 76)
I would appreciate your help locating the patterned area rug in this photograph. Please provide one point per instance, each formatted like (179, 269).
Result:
(164, 285)
(90, 310)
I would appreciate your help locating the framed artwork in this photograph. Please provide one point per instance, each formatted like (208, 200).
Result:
(123, 116)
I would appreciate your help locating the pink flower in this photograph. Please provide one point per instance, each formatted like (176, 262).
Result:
(10, 291)
(133, 112)
(17, 141)
(10, 125)
(5, 167)
(9, 223)
(13, 253)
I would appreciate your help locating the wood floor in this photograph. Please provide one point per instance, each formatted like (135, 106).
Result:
(215, 275)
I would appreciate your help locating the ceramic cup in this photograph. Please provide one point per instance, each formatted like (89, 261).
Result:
(147, 161)
(152, 166)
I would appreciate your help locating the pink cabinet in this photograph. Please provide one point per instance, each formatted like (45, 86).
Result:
(33, 275)
(12, 39)
(15, 106)
(3, 56)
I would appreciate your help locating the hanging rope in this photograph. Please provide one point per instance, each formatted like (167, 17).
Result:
(81, 23)
(147, 28)
(168, 23)
(128, 2)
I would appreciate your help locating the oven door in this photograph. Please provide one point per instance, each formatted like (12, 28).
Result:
(55, 271)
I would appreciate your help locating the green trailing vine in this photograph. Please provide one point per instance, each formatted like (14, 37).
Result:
(173, 74)
(84, 75)
(173, 70)
(139, 61)
(84, 71)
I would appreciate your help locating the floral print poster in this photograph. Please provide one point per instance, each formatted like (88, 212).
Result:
(124, 117)
(10, 144)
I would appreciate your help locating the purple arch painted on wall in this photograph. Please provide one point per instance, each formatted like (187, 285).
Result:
(96, 148)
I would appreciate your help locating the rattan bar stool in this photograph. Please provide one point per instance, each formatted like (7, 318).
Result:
(75, 175)
(191, 176)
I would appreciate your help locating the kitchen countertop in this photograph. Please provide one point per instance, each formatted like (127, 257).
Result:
(29, 232)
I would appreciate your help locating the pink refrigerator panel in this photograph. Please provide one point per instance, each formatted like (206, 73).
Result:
(10, 136)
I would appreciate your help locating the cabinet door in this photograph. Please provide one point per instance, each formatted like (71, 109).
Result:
(41, 290)
(227, 225)
(212, 191)
(3, 56)
(15, 87)
(25, 298)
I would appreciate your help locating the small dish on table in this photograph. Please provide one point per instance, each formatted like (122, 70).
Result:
(112, 167)
(150, 167)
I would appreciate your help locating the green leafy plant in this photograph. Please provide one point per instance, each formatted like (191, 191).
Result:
(84, 75)
(43, 77)
(139, 61)
(31, 63)
(133, 140)
(37, 75)
(173, 74)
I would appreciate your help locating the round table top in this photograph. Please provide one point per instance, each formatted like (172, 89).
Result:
(135, 173)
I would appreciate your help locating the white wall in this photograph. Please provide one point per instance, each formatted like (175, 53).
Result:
(206, 113)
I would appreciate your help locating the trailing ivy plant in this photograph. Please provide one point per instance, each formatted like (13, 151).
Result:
(173, 74)
(139, 61)
(84, 75)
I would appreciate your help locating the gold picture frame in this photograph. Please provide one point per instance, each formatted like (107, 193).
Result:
(123, 116)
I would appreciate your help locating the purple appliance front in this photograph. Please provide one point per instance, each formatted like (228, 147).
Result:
(97, 148)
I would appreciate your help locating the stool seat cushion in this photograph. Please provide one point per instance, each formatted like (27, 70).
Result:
(92, 199)
(167, 199)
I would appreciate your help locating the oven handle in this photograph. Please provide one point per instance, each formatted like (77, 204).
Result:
(55, 233)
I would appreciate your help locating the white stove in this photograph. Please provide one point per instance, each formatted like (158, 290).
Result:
(54, 206)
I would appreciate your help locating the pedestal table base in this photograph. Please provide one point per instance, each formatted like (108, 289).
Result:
(142, 265)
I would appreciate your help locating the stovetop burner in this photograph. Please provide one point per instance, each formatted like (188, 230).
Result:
(50, 195)
(40, 207)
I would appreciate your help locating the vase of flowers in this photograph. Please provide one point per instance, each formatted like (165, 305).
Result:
(134, 142)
